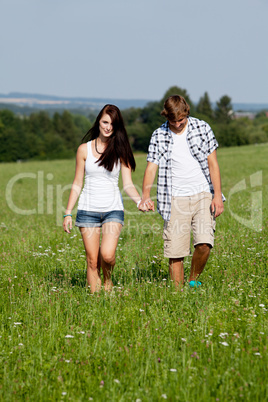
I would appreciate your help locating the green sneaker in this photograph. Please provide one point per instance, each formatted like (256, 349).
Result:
(194, 284)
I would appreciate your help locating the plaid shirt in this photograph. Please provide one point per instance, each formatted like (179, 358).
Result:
(201, 142)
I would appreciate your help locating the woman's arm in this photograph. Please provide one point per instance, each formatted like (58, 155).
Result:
(77, 185)
(128, 185)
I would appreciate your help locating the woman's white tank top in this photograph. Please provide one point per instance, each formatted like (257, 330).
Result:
(100, 192)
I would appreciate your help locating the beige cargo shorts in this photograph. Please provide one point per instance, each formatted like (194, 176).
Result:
(188, 213)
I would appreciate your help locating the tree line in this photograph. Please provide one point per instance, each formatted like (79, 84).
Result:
(40, 136)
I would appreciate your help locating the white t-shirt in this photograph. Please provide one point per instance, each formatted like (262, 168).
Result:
(187, 176)
(101, 192)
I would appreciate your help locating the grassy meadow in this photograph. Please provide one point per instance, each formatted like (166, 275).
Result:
(145, 341)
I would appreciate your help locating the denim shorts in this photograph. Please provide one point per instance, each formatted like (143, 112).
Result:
(88, 219)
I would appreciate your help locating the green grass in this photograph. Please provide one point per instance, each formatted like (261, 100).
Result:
(146, 341)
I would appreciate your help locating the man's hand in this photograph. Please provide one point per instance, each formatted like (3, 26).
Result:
(146, 205)
(217, 207)
(214, 170)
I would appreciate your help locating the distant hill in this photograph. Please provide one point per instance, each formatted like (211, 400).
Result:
(250, 107)
(24, 103)
(39, 101)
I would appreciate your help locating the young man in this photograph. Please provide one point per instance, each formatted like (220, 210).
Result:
(188, 187)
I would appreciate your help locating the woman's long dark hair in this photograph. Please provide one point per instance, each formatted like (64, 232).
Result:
(118, 146)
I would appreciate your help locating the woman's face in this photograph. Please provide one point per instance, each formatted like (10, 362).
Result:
(105, 125)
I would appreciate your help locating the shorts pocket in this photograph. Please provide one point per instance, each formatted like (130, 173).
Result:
(166, 231)
(213, 224)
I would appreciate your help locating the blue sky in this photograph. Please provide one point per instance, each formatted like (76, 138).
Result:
(135, 49)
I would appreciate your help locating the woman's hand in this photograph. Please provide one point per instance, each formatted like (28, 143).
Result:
(146, 205)
(67, 224)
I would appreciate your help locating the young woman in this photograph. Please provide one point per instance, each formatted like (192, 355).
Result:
(105, 151)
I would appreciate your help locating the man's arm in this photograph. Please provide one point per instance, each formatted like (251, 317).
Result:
(148, 180)
(214, 170)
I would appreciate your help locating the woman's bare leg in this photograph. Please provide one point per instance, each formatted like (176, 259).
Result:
(91, 239)
(110, 235)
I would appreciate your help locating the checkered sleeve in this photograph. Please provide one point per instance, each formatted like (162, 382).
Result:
(212, 143)
(153, 150)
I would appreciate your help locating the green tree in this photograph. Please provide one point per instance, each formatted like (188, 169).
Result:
(54, 147)
(38, 123)
(151, 115)
(131, 115)
(232, 134)
(8, 118)
(139, 136)
(65, 128)
(82, 124)
(12, 137)
(204, 106)
(179, 91)
(224, 110)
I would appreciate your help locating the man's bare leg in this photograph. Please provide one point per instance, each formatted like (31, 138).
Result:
(199, 260)
(176, 271)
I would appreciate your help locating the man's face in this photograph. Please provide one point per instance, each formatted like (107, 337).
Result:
(177, 126)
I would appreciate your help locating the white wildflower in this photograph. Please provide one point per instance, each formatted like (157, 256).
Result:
(236, 334)
(224, 343)
(173, 370)
(69, 336)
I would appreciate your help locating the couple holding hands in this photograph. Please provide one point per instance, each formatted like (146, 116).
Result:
(189, 197)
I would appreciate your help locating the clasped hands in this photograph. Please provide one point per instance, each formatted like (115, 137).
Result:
(146, 205)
